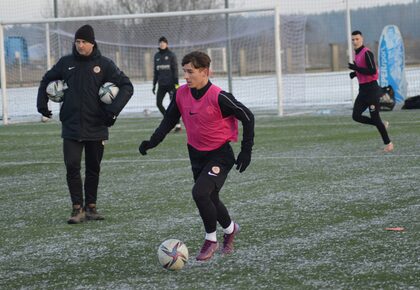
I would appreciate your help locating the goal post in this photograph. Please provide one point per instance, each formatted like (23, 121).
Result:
(5, 109)
(280, 109)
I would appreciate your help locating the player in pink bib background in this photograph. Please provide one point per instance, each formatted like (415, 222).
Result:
(365, 70)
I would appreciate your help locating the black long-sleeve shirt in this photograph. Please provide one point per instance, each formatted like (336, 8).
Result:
(228, 105)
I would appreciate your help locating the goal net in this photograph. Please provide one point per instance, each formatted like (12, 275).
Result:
(241, 45)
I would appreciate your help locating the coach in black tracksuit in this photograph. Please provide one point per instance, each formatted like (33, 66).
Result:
(165, 75)
(85, 119)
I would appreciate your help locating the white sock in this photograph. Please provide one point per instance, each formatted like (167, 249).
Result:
(229, 229)
(211, 236)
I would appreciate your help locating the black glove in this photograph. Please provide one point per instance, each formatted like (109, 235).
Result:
(154, 89)
(353, 66)
(352, 75)
(243, 160)
(144, 146)
(45, 112)
(110, 119)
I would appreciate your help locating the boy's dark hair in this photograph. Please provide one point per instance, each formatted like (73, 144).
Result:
(198, 59)
(163, 38)
(356, 32)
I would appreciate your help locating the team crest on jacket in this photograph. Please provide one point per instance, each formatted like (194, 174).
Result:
(215, 169)
(166, 57)
(372, 107)
(96, 69)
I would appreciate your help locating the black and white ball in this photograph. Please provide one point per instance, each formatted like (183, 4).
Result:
(172, 254)
(107, 92)
(55, 90)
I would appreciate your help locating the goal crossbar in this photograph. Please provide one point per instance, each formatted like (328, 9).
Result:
(139, 15)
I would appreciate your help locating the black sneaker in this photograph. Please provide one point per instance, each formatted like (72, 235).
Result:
(77, 216)
(92, 214)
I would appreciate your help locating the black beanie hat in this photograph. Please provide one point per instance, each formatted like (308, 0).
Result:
(86, 33)
(163, 38)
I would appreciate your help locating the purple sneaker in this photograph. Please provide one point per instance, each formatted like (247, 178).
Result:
(228, 240)
(207, 250)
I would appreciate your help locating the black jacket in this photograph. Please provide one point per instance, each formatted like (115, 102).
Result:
(82, 114)
(165, 68)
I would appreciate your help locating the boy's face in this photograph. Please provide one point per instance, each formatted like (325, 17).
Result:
(196, 78)
(357, 41)
(163, 45)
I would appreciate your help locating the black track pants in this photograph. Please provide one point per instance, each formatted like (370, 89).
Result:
(72, 150)
(210, 172)
(369, 98)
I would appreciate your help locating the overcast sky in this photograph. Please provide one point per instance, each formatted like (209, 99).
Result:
(27, 9)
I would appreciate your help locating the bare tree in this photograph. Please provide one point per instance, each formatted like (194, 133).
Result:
(147, 6)
(69, 8)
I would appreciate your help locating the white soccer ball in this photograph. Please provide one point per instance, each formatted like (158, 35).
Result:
(107, 92)
(172, 254)
(45, 119)
(55, 90)
(147, 112)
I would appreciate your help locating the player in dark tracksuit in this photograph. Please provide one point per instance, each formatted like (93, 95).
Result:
(210, 117)
(364, 69)
(165, 75)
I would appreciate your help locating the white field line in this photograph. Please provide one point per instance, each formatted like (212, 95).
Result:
(164, 160)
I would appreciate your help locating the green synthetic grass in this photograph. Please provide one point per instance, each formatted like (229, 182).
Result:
(312, 207)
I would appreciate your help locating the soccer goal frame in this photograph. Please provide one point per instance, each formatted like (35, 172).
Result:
(49, 22)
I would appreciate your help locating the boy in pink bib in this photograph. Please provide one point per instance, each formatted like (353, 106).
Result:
(211, 119)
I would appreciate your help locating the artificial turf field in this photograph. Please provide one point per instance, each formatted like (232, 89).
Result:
(313, 208)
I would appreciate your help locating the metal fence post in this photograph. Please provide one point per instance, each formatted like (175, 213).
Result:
(5, 109)
(277, 42)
